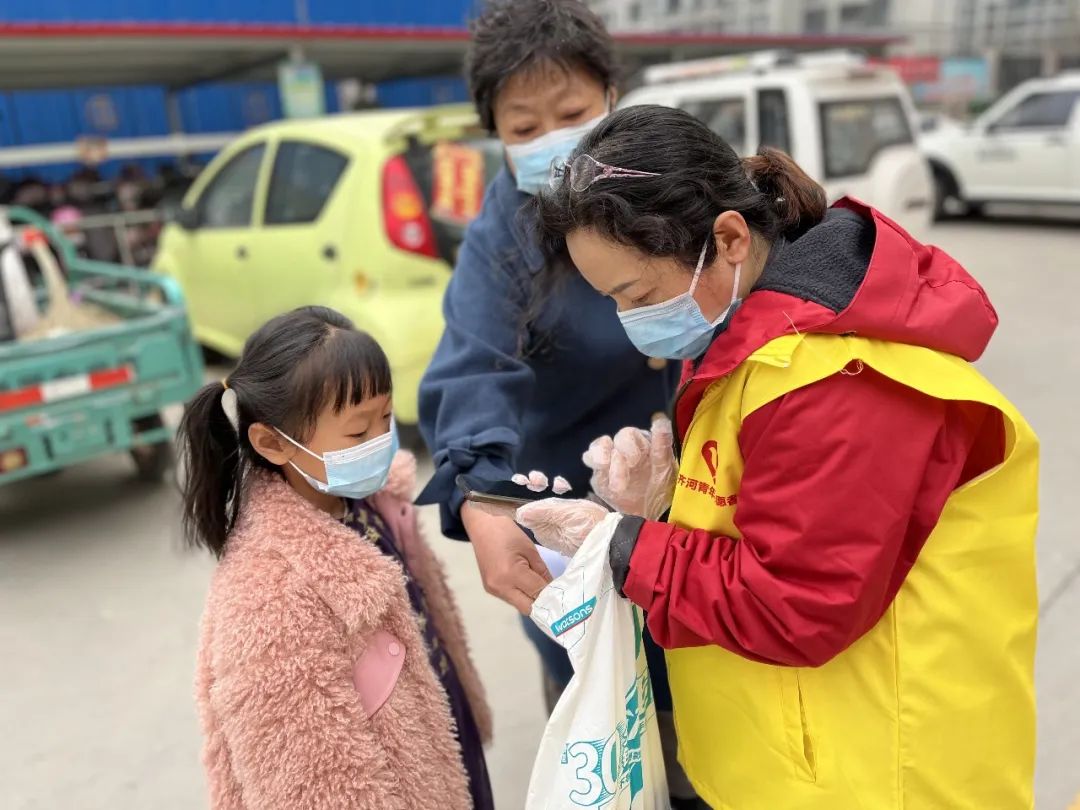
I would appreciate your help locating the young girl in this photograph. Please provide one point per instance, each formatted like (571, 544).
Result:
(333, 670)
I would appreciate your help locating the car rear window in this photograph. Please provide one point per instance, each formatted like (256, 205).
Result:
(853, 132)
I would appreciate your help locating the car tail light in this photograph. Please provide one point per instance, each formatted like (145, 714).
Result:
(404, 211)
(11, 460)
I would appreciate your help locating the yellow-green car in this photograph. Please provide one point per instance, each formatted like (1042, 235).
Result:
(338, 211)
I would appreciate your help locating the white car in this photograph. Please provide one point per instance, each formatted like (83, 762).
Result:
(849, 124)
(1026, 148)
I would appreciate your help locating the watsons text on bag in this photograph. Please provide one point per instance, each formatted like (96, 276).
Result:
(574, 617)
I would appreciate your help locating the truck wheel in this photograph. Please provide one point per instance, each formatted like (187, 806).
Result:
(152, 461)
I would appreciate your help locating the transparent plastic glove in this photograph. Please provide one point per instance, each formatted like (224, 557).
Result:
(561, 524)
(635, 472)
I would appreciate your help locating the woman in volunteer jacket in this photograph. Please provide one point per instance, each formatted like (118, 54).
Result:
(846, 581)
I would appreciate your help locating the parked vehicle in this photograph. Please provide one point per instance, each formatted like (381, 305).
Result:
(848, 123)
(94, 391)
(937, 122)
(1025, 148)
(333, 211)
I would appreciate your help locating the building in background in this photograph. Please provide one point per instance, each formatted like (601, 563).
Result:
(1018, 39)
(1022, 38)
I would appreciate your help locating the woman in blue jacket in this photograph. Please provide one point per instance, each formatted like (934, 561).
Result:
(530, 371)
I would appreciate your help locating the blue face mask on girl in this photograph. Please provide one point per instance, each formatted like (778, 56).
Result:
(676, 329)
(355, 472)
(533, 160)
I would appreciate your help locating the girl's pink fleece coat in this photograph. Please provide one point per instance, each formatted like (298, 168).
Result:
(294, 603)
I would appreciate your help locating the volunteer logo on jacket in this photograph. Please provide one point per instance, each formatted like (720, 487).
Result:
(852, 535)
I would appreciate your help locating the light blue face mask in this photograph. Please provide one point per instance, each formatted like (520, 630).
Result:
(676, 329)
(355, 472)
(532, 160)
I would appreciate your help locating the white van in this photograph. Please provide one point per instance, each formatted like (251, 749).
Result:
(849, 124)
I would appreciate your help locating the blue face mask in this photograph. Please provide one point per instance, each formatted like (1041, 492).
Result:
(355, 472)
(676, 329)
(532, 160)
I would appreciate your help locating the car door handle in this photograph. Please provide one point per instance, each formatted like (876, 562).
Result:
(329, 252)
(1055, 140)
(241, 252)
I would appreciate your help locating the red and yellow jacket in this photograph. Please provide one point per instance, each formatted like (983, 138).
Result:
(846, 584)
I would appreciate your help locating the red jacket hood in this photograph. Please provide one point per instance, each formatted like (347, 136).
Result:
(911, 293)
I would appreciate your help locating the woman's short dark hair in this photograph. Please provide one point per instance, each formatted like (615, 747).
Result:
(294, 367)
(510, 36)
(699, 176)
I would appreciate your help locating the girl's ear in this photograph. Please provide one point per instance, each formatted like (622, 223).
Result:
(270, 444)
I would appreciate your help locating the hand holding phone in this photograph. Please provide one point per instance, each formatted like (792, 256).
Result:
(505, 495)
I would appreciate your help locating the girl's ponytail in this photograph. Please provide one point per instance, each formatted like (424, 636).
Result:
(210, 452)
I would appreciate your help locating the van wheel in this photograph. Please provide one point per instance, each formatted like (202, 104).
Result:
(946, 190)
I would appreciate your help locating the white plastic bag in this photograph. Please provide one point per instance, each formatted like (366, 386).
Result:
(601, 748)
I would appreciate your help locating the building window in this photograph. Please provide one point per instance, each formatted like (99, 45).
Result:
(634, 12)
(814, 21)
(673, 6)
(852, 16)
(877, 13)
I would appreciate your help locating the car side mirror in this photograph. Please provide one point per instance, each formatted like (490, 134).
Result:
(188, 218)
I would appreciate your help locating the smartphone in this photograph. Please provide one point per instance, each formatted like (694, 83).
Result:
(503, 492)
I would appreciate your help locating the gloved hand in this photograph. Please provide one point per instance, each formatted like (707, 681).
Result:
(561, 524)
(635, 472)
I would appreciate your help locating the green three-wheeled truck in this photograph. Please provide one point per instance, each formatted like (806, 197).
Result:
(71, 395)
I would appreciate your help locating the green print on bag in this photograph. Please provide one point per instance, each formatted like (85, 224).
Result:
(603, 767)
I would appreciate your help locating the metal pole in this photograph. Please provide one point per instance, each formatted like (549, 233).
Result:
(127, 258)
(303, 17)
(173, 111)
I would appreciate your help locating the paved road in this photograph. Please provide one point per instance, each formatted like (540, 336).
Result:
(99, 605)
